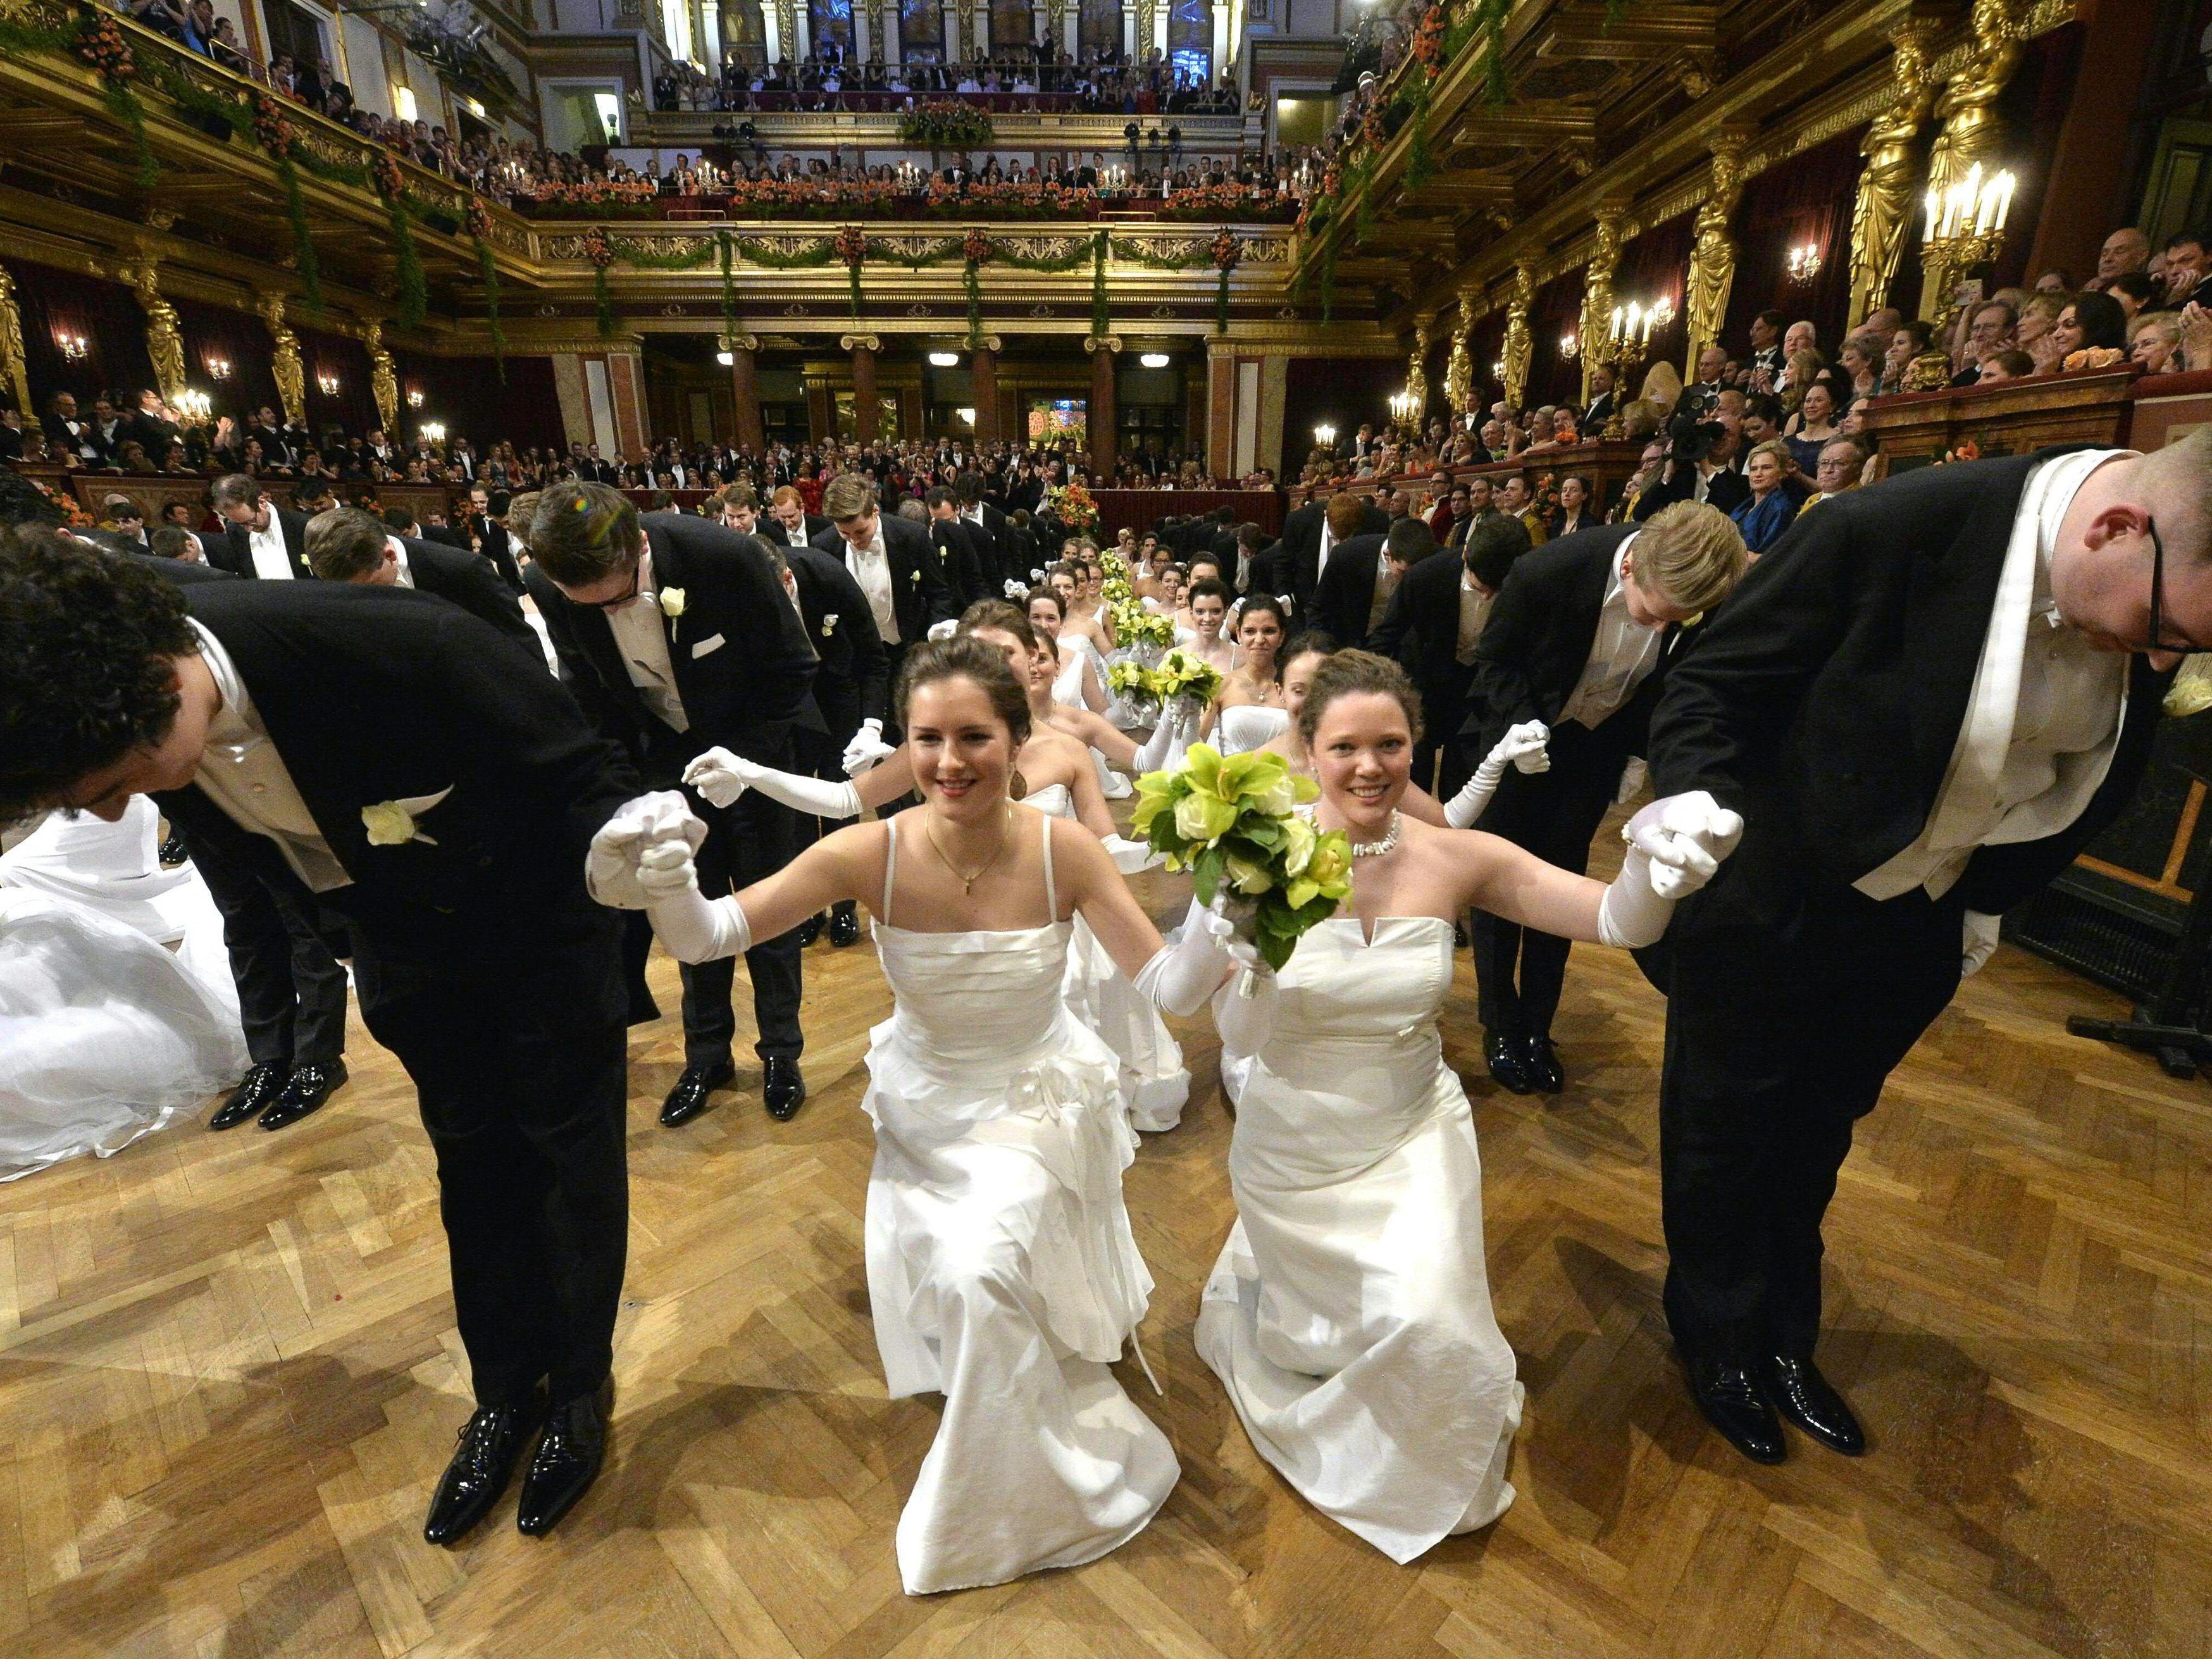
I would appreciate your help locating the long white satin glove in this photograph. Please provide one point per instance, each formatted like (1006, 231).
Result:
(867, 749)
(692, 927)
(1130, 857)
(1181, 976)
(1979, 943)
(945, 629)
(1686, 837)
(610, 866)
(1522, 748)
(1163, 750)
(722, 777)
(1664, 864)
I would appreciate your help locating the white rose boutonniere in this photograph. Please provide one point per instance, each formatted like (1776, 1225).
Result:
(391, 823)
(828, 623)
(915, 574)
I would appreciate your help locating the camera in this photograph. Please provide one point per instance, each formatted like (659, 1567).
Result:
(1689, 439)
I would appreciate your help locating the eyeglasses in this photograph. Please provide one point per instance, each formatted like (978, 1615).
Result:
(2158, 641)
(635, 572)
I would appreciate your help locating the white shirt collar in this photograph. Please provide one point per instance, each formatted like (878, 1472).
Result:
(404, 575)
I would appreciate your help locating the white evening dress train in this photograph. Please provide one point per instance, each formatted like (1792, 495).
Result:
(1153, 1076)
(1001, 1269)
(106, 1035)
(1349, 1314)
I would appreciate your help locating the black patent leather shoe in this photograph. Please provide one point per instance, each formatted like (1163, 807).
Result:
(261, 1085)
(1800, 1394)
(689, 1097)
(844, 925)
(567, 1460)
(1730, 1397)
(1540, 1065)
(1508, 1064)
(782, 1090)
(172, 851)
(810, 930)
(484, 1456)
(309, 1087)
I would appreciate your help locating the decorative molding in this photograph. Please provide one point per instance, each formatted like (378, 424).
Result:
(866, 341)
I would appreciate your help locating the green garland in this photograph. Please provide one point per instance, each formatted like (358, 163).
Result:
(407, 267)
(1059, 265)
(1102, 320)
(1328, 283)
(971, 279)
(938, 253)
(1489, 19)
(813, 257)
(603, 302)
(634, 253)
(490, 267)
(729, 288)
(303, 240)
(122, 104)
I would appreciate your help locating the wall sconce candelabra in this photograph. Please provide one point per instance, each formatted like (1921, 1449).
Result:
(327, 384)
(1571, 347)
(1627, 336)
(218, 369)
(1406, 407)
(431, 431)
(1965, 228)
(71, 346)
(415, 397)
(1325, 435)
(1804, 263)
(195, 406)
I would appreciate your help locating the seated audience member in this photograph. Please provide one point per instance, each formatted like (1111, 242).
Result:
(1842, 466)
(2091, 332)
(2012, 364)
(1762, 518)
(2155, 342)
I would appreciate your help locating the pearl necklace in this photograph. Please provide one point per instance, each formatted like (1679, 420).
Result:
(1366, 849)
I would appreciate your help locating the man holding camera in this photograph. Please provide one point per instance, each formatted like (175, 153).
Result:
(1702, 466)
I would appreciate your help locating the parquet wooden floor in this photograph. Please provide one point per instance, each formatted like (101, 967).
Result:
(227, 1381)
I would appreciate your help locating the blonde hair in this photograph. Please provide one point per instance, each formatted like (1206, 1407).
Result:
(1773, 446)
(1689, 554)
(848, 496)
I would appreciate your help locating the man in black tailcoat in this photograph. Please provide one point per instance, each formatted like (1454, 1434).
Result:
(678, 636)
(1921, 701)
(377, 748)
(352, 544)
(265, 541)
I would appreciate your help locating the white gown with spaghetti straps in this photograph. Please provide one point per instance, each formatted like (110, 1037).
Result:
(1001, 1269)
(1349, 1314)
(1067, 692)
(105, 1033)
(1100, 994)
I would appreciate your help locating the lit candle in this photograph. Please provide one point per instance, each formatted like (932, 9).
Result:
(1613, 332)
(2005, 182)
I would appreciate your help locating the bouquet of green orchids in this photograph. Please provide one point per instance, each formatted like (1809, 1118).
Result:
(1116, 590)
(1229, 820)
(1181, 674)
(1131, 683)
(1134, 627)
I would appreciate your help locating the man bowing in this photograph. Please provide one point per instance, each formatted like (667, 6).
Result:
(1924, 700)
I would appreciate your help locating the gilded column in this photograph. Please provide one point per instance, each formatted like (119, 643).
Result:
(15, 365)
(165, 341)
(1973, 129)
(1884, 199)
(1596, 320)
(383, 378)
(1712, 253)
(744, 390)
(1518, 353)
(1459, 367)
(1416, 366)
(284, 357)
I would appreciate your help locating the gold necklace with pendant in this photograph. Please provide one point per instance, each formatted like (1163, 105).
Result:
(967, 882)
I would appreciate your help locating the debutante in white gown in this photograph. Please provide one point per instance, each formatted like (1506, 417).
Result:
(1001, 1269)
(106, 1035)
(1153, 1076)
(1249, 725)
(1349, 1314)
(1067, 692)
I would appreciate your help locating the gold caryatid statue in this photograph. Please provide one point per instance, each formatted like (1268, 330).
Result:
(383, 378)
(1459, 367)
(1416, 365)
(1712, 252)
(15, 364)
(165, 340)
(1880, 217)
(1517, 353)
(1973, 129)
(1596, 319)
(284, 358)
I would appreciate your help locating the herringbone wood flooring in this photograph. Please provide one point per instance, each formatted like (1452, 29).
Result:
(227, 1381)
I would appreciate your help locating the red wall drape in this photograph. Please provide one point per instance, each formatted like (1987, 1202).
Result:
(1651, 269)
(1556, 311)
(1806, 200)
(105, 314)
(1344, 392)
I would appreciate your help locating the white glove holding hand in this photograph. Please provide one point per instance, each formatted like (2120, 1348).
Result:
(1686, 837)
(1525, 746)
(1979, 944)
(943, 630)
(613, 872)
(1013, 589)
(722, 777)
(867, 749)
(1522, 746)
